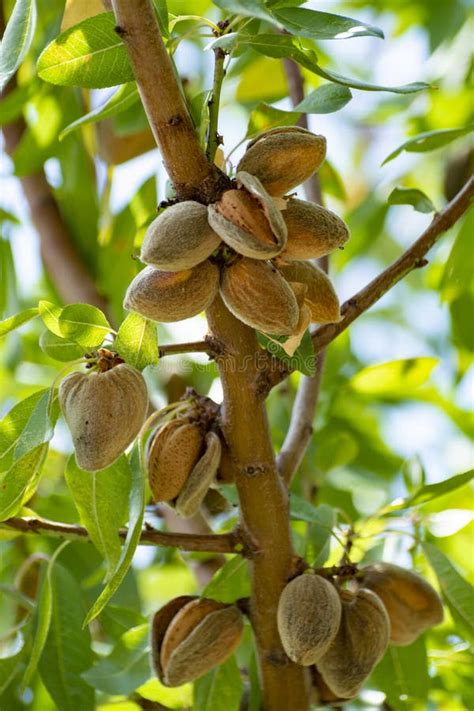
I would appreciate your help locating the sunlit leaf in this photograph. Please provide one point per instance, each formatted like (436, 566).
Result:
(12, 322)
(18, 483)
(429, 141)
(325, 100)
(84, 324)
(50, 314)
(457, 275)
(411, 196)
(90, 54)
(61, 349)
(17, 38)
(324, 25)
(125, 96)
(398, 375)
(137, 341)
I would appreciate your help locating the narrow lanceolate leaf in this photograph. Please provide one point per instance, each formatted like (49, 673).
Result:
(122, 99)
(458, 593)
(17, 38)
(102, 501)
(325, 100)
(84, 324)
(135, 521)
(19, 482)
(67, 652)
(430, 140)
(247, 8)
(324, 25)
(137, 341)
(429, 492)
(90, 54)
(411, 196)
(394, 674)
(126, 667)
(12, 322)
(219, 690)
(62, 349)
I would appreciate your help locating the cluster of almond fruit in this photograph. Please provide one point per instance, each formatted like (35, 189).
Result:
(340, 633)
(251, 245)
(343, 633)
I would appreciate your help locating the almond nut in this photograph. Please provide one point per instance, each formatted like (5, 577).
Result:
(320, 294)
(359, 645)
(179, 238)
(257, 294)
(412, 604)
(191, 637)
(104, 411)
(172, 296)
(172, 454)
(283, 158)
(313, 231)
(200, 479)
(248, 220)
(309, 613)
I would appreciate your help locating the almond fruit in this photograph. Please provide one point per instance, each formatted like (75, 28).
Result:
(359, 645)
(200, 479)
(191, 637)
(247, 219)
(172, 296)
(309, 613)
(283, 158)
(179, 238)
(313, 231)
(412, 604)
(104, 411)
(257, 294)
(320, 294)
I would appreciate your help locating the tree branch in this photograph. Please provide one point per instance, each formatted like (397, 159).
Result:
(191, 347)
(214, 139)
(192, 175)
(210, 543)
(413, 258)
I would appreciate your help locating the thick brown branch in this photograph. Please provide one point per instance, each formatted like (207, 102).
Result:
(211, 543)
(413, 258)
(192, 175)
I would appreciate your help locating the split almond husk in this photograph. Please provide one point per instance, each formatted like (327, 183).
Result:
(199, 635)
(309, 613)
(257, 294)
(360, 643)
(172, 454)
(247, 219)
(179, 238)
(412, 604)
(313, 231)
(172, 296)
(283, 158)
(104, 412)
(320, 295)
(200, 479)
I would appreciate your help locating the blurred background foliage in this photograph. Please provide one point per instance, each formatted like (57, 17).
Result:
(393, 416)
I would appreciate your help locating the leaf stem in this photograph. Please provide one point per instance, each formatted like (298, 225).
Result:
(214, 139)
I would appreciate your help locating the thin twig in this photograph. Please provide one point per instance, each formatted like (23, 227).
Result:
(191, 347)
(412, 258)
(214, 139)
(210, 543)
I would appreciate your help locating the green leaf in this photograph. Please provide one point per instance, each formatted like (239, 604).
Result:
(67, 652)
(127, 666)
(50, 314)
(125, 96)
(58, 348)
(457, 592)
(247, 8)
(231, 582)
(395, 676)
(430, 141)
(14, 424)
(335, 449)
(411, 196)
(12, 322)
(219, 690)
(302, 510)
(40, 425)
(136, 513)
(17, 38)
(101, 498)
(264, 117)
(324, 25)
(84, 324)
(325, 100)
(15, 100)
(18, 483)
(280, 46)
(161, 8)
(90, 55)
(457, 275)
(303, 359)
(137, 341)
(395, 377)
(318, 539)
(434, 491)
